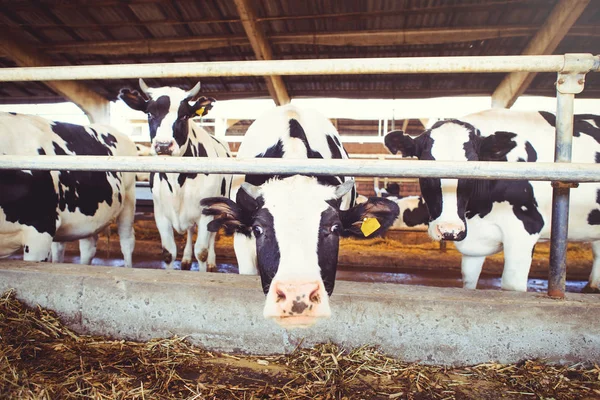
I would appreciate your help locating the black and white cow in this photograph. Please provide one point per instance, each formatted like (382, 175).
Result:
(177, 197)
(39, 207)
(413, 213)
(287, 228)
(487, 216)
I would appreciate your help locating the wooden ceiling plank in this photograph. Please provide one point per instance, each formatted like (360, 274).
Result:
(94, 105)
(262, 49)
(546, 40)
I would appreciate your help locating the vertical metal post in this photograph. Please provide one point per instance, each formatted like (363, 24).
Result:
(560, 197)
(570, 81)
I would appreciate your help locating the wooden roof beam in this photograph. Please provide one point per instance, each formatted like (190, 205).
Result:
(262, 49)
(95, 106)
(556, 27)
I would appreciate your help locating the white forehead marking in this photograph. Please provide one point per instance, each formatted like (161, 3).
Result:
(448, 143)
(176, 95)
(296, 205)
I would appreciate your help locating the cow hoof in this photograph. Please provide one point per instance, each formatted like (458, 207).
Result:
(186, 265)
(589, 289)
(195, 268)
(211, 268)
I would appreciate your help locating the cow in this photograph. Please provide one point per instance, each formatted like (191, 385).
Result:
(413, 213)
(176, 196)
(143, 151)
(484, 217)
(287, 228)
(40, 210)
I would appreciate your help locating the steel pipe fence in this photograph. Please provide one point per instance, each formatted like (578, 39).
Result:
(571, 69)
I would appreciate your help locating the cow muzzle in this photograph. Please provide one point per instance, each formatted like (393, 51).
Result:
(297, 304)
(450, 231)
(164, 148)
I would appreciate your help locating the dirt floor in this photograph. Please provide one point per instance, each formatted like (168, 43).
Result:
(42, 359)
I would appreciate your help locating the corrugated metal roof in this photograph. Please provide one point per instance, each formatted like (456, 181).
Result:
(45, 25)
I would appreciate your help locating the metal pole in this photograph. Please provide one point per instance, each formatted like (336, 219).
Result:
(392, 65)
(567, 172)
(560, 197)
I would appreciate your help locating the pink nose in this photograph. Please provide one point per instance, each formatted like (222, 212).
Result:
(451, 231)
(297, 299)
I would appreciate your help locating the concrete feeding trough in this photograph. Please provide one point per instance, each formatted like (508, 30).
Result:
(223, 312)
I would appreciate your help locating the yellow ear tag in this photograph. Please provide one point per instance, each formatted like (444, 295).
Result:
(369, 226)
(200, 111)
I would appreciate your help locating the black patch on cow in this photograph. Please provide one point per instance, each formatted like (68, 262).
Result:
(41, 152)
(580, 124)
(275, 151)
(26, 249)
(549, 117)
(167, 257)
(29, 199)
(267, 248)
(337, 141)
(163, 177)
(119, 197)
(597, 157)
(333, 147)
(223, 186)
(12, 113)
(328, 246)
(157, 110)
(192, 151)
(83, 190)
(594, 215)
(296, 131)
(109, 140)
(417, 216)
(531, 153)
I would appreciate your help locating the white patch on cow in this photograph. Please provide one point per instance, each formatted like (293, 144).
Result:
(297, 233)
(405, 203)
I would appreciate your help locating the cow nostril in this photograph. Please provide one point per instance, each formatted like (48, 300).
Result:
(280, 296)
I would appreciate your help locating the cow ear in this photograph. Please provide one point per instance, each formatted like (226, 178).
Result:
(378, 213)
(495, 147)
(133, 99)
(202, 106)
(227, 214)
(398, 141)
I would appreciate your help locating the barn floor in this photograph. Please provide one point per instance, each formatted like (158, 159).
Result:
(406, 257)
(41, 358)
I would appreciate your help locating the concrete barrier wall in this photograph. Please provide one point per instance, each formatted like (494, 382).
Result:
(224, 312)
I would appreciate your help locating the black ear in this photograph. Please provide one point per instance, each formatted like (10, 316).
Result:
(133, 99)
(495, 147)
(203, 105)
(398, 141)
(383, 210)
(227, 215)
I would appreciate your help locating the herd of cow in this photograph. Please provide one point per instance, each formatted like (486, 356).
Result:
(287, 228)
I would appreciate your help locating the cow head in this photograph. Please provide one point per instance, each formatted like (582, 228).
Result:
(297, 223)
(169, 110)
(447, 199)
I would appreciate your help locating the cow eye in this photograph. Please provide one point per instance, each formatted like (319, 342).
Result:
(258, 230)
(335, 229)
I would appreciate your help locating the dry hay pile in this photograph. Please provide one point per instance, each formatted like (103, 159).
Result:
(42, 359)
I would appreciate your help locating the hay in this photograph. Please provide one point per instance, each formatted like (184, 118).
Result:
(42, 359)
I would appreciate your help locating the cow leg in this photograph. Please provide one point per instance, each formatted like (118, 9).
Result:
(471, 269)
(87, 249)
(202, 242)
(186, 261)
(593, 285)
(245, 252)
(212, 256)
(58, 252)
(167, 239)
(125, 227)
(518, 254)
(36, 246)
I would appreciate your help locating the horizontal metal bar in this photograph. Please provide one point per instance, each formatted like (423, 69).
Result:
(406, 65)
(568, 172)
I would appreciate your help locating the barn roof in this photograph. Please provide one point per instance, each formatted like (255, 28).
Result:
(84, 32)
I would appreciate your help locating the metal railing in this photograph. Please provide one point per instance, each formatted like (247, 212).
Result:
(571, 69)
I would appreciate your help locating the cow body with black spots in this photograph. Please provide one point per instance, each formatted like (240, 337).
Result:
(487, 216)
(40, 210)
(413, 213)
(176, 196)
(287, 228)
